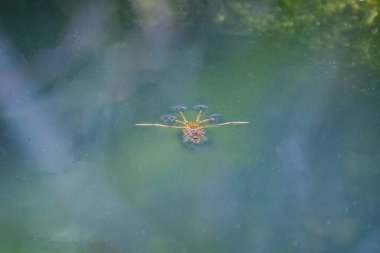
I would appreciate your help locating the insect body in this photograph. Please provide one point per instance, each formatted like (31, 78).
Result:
(193, 130)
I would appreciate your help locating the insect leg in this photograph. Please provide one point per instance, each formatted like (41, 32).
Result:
(199, 115)
(212, 117)
(204, 121)
(200, 109)
(158, 125)
(183, 116)
(227, 123)
(171, 118)
(180, 122)
(180, 109)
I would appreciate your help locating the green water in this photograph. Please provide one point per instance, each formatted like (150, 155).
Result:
(76, 174)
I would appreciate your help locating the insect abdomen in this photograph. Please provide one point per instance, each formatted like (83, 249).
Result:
(195, 135)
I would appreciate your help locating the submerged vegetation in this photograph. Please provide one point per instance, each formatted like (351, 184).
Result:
(342, 24)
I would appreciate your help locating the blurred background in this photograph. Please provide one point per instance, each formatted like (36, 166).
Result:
(76, 175)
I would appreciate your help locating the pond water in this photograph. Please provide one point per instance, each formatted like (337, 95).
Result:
(77, 175)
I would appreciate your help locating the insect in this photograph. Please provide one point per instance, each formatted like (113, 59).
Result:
(193, 130)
